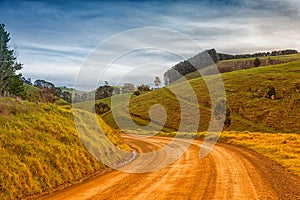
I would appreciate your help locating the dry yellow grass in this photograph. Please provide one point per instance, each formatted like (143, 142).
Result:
(40, 148)
(281, 147)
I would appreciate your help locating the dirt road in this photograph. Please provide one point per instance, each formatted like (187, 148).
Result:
(226, 173)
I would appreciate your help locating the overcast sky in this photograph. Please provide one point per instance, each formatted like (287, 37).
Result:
(54, 38)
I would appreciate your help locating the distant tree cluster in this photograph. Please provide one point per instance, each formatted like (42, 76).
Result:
(144, 88)
(199, 61)
(223, 56)
(177, 71)
(128, 88)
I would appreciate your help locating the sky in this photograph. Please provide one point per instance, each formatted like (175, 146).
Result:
(56, 39)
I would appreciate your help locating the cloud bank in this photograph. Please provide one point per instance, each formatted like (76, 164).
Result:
(54, 38)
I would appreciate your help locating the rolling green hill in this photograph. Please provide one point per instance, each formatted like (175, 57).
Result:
(245, 63)
(40, 148)
(245, 90)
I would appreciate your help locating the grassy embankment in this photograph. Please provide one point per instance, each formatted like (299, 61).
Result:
(40, 148)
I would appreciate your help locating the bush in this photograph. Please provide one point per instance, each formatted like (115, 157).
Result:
(256, 62)
(271, 93)
(144, 88)
(136, 92)
(101, 108)
(222, 109)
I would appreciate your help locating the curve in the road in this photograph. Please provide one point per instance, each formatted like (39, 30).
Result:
(228, 172)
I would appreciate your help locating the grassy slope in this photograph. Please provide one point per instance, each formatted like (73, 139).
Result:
(235, 63)
(40, 149)
(249, 112)
(87, 105)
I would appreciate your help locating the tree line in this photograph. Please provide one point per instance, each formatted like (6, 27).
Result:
(223, 56)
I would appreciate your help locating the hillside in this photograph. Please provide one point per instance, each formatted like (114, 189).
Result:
(87, 105)
(40, 148)
(225, 63)
(246, 63)
(245, 90)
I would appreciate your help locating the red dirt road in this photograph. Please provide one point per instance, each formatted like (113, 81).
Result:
(228, 172)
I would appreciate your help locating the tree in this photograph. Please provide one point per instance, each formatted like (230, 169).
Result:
(67, 96)
(256, 62)
(9, 80)
(44, 84)
(104, 92)
(117, 90)
(58, 91)
(213, 54)
(136, 92)
(144, 88)
(128, 88)
(157, 81)
(222, 109)
(101, 108)
(47, 90)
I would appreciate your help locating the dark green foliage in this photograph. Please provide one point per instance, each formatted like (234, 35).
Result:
(202, 60)
(47, 90)
(104, 92)
(44, 84)
(223, 56)
(256, 62)
(227, 121)
(199, 61)
(136, 92)
(222, 109)
(58, 92)
(16, 86)
(271, 93)
(144, 88)
(177, 71)
(67, 96)
(213, 54)
(9, 80)
(101, 108)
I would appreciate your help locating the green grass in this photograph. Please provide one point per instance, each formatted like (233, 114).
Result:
(235, 64)
(244, 91)
(31, 88)
(88, 105)
(40, 148)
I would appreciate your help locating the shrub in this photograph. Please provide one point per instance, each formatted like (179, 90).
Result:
(271, 93)
(144, 88)
(256, 62)
(101, 108)
(136, 92)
